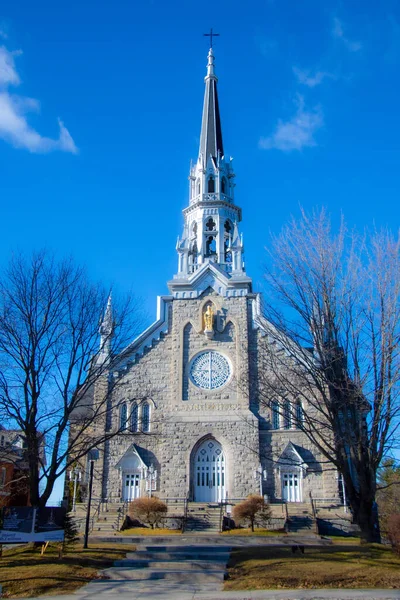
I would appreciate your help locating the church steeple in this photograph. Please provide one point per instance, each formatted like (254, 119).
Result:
(211, 132)
(210, 234)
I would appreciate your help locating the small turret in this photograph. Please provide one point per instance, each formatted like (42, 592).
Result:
(106, 331)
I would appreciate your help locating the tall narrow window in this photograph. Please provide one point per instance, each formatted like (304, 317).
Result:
(145, 417)
(299, 413)
(134, 417)
(287, 415)
(223, 185)
(123, 416)
(211, 185)
(275, 415)
(198, 186)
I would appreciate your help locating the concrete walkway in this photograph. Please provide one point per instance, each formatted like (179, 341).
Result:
(194, 571)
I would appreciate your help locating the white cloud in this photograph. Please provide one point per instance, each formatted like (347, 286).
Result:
(14, 127)
(306, 77)
(338, 33)
(296, 133)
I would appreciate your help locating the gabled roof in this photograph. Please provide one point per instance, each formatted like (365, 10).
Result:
(143, 455)
(212, 275)
(292, 456)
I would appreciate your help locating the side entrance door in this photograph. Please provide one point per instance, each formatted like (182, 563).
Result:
(291, 490)
(131, 486)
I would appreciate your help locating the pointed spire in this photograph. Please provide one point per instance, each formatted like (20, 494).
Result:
(211, 132)
(107, 325)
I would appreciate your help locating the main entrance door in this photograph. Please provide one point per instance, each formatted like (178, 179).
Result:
(291, 488)
(131, 486)
(209, 472)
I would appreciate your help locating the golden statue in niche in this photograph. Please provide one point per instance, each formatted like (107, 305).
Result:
(208, 319)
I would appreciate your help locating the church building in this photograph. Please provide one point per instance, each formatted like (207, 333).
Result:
(189, 419)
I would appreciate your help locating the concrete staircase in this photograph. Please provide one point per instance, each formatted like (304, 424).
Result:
(105, 519)
(203, 517)
(158, 570)
(301, 518)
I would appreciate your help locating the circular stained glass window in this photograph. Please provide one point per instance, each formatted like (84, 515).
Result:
(210, 370)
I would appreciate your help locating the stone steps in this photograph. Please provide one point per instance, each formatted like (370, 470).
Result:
(172, 568)
(169, 564)
(301, 524)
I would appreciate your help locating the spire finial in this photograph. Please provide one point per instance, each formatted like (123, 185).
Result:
(210, 64)
(211, 35)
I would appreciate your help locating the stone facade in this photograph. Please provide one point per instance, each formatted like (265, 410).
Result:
(185, 405)
(182, 416)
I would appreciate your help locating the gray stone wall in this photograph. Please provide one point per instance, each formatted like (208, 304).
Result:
(182, 415)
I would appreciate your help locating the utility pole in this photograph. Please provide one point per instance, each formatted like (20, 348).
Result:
(85, 542)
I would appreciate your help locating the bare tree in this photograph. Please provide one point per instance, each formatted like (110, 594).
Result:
(333, 346)
(54, 366)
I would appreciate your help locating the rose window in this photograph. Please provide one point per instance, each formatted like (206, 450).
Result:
(210, 370)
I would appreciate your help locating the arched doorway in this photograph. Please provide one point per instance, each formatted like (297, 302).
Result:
(209, 472)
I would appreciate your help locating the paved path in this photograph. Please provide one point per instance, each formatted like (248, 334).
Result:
(194, 571)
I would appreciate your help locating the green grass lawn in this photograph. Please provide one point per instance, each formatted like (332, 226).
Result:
(25, 573)
(353, 566)
(134, 531)
(245, 531)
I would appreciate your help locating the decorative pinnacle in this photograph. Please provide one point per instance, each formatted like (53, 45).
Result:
(107, 325)
(210, 64)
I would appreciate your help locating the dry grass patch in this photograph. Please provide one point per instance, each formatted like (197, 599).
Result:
(135, 531)
(369, 566)
(25, 573)
(259, 531)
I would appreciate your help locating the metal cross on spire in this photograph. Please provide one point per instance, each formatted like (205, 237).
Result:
(211, 35)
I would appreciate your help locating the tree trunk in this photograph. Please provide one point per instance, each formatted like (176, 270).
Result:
(366, 517)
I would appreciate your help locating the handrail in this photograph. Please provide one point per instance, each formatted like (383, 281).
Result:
(95, 514)
(313, 507)
(221, 515)
(121, 514)
(185, 512)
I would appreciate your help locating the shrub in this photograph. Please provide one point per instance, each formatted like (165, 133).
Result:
(394, 532)
(148, 510)
(252, 509)
(71, 530)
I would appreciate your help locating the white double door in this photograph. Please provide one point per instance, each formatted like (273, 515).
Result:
(131, 486)
(291, 486)
(209, 472)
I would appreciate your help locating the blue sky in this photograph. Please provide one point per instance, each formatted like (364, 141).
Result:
(100, 109)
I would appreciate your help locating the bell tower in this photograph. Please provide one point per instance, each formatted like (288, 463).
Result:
(211, 234)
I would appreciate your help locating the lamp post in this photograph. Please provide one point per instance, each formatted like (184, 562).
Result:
(86, 538)
(75, 475)
(261, 475)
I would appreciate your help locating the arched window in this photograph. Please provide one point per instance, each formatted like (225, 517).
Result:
(228, 253)
(134, 417)
(146, 417)
(211, 246)
(299, 413)
(211, 185)
(227, 227)
(198, 186)
(223, 185)
(275, 415)
(123, 416)
(287, 415)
